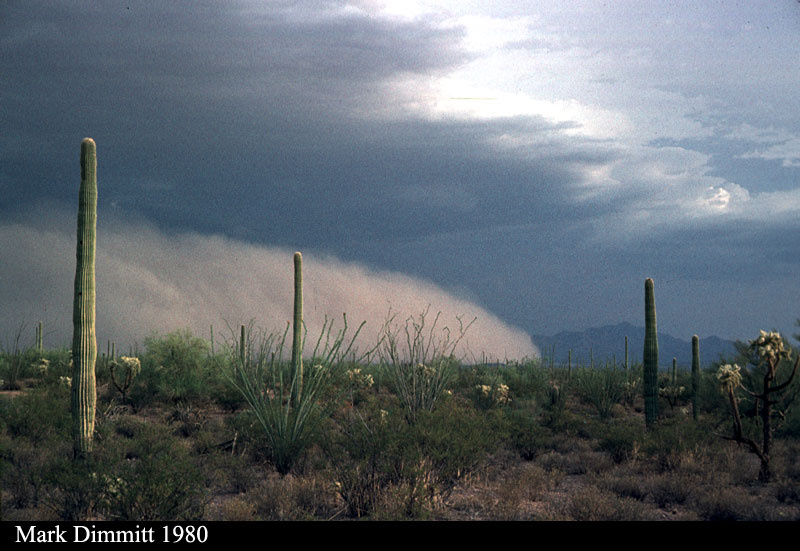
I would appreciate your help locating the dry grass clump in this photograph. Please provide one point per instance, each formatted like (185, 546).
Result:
(294, 498)
(592, 503)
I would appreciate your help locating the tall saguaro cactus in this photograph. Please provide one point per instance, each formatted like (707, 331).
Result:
(695, 373)
(650, 359)
(626, 353)
(39, 347)
(84, 341)
(297, 325)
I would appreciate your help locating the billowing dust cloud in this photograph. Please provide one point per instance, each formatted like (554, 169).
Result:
(149, 281)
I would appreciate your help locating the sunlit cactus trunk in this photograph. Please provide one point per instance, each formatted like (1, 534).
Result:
(695, 373)
(84, 341)
(650, 359)
(297, 325)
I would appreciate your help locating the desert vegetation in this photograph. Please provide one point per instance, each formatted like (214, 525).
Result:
(364, 440)
(262, 424)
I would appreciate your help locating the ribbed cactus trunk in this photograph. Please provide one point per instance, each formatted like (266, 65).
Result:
(84, 341)
(297, 325)
(212, 340)
(39, 347)
(650, 359)
(695, 373)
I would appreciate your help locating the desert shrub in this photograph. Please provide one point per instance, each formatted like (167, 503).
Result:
(363, 454)
(223, 393)
(625, 484)
(670, 489)
(15, 360)
(173, 369)
(155, 479)
(528, 436)
(178, 351)
(674, 441)
(620, 440)
(380, 460)
(787, 491)
(23, 476)
(237, 508)
(293, 498)
(733, 504)
(237, 472)
(457, 440)
(527, 379)
(38, 414)
(602, 388)
(555, 403)
(188, 420)
(595, 504)
(77, 490)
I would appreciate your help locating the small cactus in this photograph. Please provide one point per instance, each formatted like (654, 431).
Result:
(131, 368)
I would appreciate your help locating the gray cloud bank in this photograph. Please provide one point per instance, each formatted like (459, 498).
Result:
(150, 281)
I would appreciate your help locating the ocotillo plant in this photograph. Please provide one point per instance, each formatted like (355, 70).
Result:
(650, 358)
(84, 341)
(297, 324)
(695, 373)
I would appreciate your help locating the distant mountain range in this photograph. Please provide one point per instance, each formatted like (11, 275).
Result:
(607, 342)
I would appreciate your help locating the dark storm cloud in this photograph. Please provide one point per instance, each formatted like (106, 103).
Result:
(265, 122)
(243, 122)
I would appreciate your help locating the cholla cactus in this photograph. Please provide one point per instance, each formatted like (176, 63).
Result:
(630, 389)
(359, 379)
(672, 394)
(131, 367)
(729, 377)
(65, 381)
(42, 366)
(770, 349)
(489, 396)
